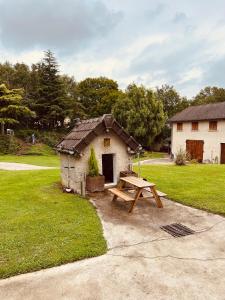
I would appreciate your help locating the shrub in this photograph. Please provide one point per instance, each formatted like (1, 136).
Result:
(181, 157)
(50, 138)
(8, 144)
(93, 164)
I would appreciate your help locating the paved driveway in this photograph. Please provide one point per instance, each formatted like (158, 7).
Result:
(156, 161)
(20, 167)
(143, 262)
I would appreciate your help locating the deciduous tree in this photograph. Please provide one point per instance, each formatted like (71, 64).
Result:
(140, 113)
(11, 110)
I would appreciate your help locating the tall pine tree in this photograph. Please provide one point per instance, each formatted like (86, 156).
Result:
(52, 104)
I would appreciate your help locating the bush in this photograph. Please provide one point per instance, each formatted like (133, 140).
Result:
(93, 164)
(50, 138)
(8, 144)
(181, 157)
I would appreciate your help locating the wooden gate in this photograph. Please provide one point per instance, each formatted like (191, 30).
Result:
(222, 157)
(195, 149)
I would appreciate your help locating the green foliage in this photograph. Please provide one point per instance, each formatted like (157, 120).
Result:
(140, 113)
(52, 104)
(209, 95)
(8, 145)
(49, 138)
(11, 109)
(172, 101)
(96, 94)
(93, 164)
(42, 227)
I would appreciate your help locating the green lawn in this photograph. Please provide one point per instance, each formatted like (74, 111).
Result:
(38, 154)
(38, 160)
(149, 155)
(200, 186)
(41, 226)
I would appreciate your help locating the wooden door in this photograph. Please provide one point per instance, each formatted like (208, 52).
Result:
(195, 149)
(222, 157)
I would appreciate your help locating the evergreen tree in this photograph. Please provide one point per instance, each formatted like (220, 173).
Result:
(93, 164)
(52, 104)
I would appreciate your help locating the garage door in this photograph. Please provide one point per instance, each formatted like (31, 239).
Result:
(195, 149)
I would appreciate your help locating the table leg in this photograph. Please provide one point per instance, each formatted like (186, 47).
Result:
(137, 195)
(156, 196)
(120, 186)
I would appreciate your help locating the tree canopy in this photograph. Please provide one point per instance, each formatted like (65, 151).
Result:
(11, 109)
(140, 113)
(209, 95)
(40, 90)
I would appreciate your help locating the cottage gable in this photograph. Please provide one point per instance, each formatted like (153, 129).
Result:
(86, 130)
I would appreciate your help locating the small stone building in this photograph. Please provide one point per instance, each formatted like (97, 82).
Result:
(113, 149)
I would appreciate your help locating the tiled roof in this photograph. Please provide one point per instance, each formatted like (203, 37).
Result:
(215, 111)
(86, 130)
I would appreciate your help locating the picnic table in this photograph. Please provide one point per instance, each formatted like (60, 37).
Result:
(141, 189)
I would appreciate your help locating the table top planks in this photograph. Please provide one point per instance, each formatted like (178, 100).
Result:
(138, 182)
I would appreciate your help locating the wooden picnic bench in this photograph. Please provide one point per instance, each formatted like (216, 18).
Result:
(142, 189)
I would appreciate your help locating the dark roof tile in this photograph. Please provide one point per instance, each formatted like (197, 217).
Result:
(213, 111)
(85, 131)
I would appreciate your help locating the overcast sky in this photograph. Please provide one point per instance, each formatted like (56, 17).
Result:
(150, 42)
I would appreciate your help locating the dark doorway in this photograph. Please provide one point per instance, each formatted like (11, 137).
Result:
(195, 149)
(107, 167)
(222, 157)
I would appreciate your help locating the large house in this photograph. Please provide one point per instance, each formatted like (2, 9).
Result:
(200, 130)
(113, 148)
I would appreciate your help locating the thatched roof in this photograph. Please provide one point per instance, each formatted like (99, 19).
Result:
(215, 111)
(86, 130)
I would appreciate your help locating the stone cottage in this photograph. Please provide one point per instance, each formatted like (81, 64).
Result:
(200, 130)
(113, 148)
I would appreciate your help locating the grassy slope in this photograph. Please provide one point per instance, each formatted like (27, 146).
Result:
(39, 154)
(201, 186)
(38, 160)
(41, 226)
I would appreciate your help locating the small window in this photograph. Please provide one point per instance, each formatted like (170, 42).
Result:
(179, 126)
(212, 125)
(194, 126)
(106, 142)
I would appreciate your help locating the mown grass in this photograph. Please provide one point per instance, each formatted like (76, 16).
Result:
(38, 160)
(38, 154)
(42, 227)
(200, 186)
(149, 155)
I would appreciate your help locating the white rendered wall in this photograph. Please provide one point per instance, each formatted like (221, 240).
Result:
(79, 166)
(212, 139)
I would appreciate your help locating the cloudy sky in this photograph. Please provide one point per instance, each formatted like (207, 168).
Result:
(150, 42)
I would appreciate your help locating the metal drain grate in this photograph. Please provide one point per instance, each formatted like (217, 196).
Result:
(177, 230)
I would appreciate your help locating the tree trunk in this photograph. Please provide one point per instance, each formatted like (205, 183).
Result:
(2, 128)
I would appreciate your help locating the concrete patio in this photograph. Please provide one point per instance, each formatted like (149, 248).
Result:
(142, 261)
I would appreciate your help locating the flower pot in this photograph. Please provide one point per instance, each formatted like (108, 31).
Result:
(95, 184)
